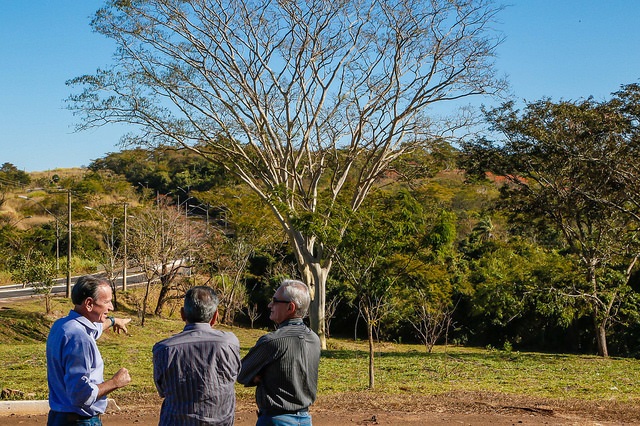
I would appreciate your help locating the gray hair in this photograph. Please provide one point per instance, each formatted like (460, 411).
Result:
(200, 304)
(298, 293)
(85, 287)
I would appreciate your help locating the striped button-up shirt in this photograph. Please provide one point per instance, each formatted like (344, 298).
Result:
(286, 363)
(195, 372)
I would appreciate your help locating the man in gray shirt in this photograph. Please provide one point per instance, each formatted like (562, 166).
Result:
(284, 364)
(195, 370)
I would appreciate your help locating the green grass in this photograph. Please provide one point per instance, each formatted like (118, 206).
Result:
(400, 369)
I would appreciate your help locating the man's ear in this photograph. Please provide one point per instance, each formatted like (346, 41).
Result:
(184, 318)
(88, 304)
(214, 319)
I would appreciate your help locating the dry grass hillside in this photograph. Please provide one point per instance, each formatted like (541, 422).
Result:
(10, 204)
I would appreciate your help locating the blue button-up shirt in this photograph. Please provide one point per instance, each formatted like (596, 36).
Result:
(75, 366)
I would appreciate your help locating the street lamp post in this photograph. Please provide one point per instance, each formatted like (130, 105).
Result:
(57, 245)
(186, 202)
(68, 191)
(124, 251)
(112, 242)
(206, 210)
(68, 292)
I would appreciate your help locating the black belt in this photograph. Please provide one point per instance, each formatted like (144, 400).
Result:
(73, 417)
(279, 412)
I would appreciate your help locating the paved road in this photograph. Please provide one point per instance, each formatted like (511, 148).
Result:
(60, 286)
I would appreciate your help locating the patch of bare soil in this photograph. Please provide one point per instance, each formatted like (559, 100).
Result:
(369, 408)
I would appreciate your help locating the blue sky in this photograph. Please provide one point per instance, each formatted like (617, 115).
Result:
(562, 49)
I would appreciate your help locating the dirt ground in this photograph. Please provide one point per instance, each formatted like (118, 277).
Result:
(367, 408)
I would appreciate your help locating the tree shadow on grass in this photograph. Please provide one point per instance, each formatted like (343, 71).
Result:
(344, 353)
(20, 326)
(462, 356)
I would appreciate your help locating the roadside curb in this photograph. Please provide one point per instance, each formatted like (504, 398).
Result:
(38, 407)
(8, 408)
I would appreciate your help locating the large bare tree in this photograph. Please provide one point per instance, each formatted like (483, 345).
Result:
(307, 102)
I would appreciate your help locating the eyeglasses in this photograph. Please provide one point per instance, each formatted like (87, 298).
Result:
(276, 300)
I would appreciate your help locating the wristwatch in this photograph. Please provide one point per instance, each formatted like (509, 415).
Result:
(113, 321)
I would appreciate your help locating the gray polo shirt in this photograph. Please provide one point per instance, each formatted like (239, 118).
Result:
(287, 362)
(195, 372)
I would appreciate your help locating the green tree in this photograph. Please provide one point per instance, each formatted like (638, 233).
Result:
(36, 270)
(11, 176)
(163, 169)
(429, 279)
(386, 224)
(362, 250)
(574, 165)
(305, 102)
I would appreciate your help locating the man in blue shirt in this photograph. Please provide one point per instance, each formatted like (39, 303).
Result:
(196, 369)
(77, 389)
(284, 364)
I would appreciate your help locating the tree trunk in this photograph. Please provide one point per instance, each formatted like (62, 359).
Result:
(315, 276)
(229, 311)
(162, 298)
(115, 297)
(601, 337)
(314, 270)
(371, 354)
(144, 302)
(599, 321)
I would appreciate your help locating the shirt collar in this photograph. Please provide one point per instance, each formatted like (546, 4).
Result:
(290, 321)
(197, 326)
(94, 329)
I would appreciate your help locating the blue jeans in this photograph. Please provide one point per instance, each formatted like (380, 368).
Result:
(298, 419)
(57, 418)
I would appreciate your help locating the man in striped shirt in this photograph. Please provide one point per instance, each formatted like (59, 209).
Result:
(195, 370)
(284, 364)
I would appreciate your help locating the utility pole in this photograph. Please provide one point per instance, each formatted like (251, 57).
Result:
(68, 293)
(124, 252)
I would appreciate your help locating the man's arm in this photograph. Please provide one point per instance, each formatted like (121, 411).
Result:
(77, 355)
(258, 357)
(119, 324)
(119, 380)
(158, 370)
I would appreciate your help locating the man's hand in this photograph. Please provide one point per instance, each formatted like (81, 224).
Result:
(120, 324)
(121, 378)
